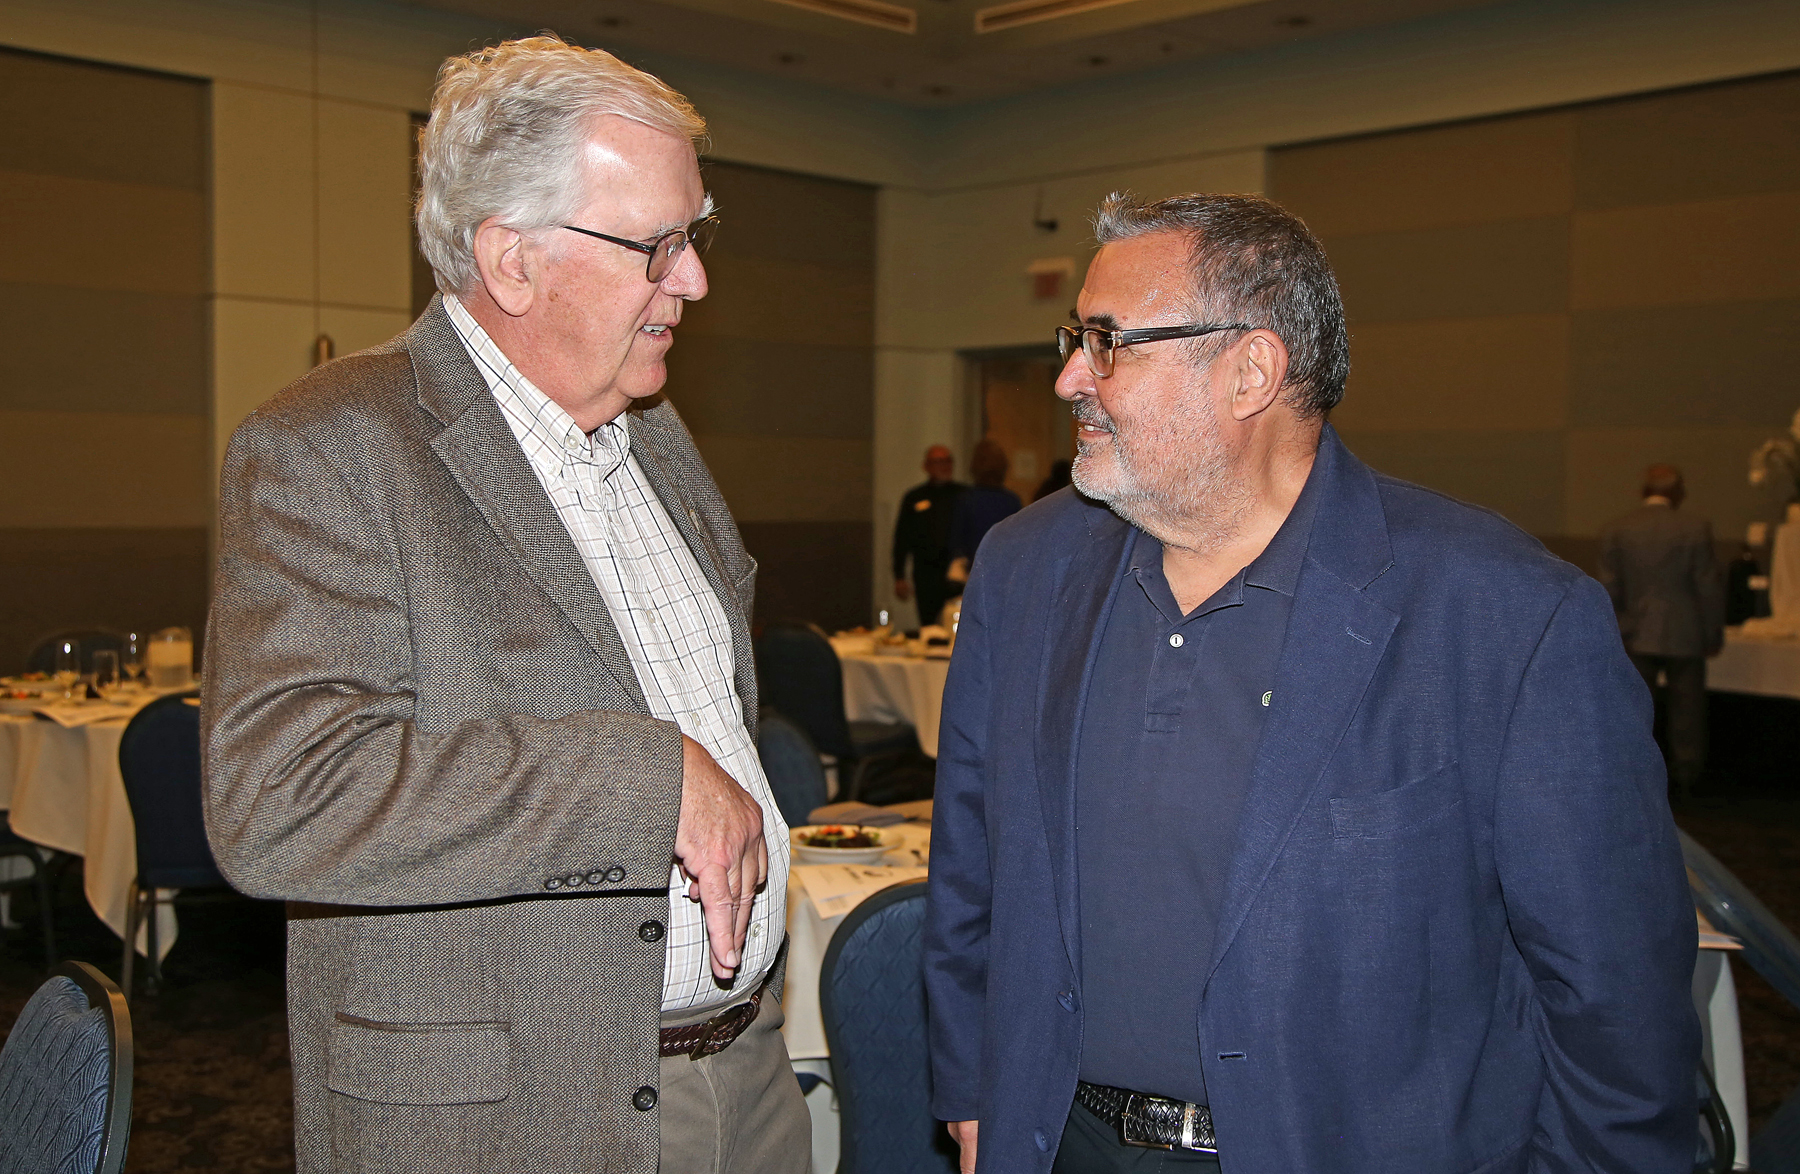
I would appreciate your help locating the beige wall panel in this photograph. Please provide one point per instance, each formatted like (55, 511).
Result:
(1731, 139)
(1517, 474)
(1504, 169)
(1471, 271)
(104, 469)
(1657, 366)
(751, 387)
(918, 402)
(365, 206)
(258, 348)
(73, 229)
(262, 193)
(769, 299)
(1502, 373)
(97, 122)
(790, 479)
(1688, 254)
(102, 350)
(358, 330)
(1606, 470)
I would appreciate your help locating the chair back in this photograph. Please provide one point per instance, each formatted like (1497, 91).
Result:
(1769, 946)
(42, 657)
(65, 1077)
(798, 673)
(159, 759)
(796, 776)
(872, 997)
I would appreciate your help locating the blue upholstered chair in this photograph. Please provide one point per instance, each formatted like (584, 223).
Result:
(1773, 952)
(791, 764)
(872, 996)
(159, 759)
(65, 1078)
(798, 673)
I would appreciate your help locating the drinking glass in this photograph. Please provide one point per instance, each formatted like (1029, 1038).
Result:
(170, 658)
(67, 668)
(131, 657)
(106, 672)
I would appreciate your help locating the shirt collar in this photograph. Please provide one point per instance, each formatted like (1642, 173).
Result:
(533, 415)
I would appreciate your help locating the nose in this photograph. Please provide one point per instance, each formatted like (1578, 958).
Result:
(688, 279)
(1076, 380)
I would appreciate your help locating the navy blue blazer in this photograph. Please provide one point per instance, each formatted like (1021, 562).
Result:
(1457, 935)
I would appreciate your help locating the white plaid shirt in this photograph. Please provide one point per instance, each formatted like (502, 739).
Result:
(673, 628)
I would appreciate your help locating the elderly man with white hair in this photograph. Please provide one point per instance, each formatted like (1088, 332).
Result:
(479, 694)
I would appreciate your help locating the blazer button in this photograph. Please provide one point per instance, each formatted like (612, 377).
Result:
(651, 931)
(574, 878)
(1042, 1139)
(644, 1099)
(615, 874)
(1067, 999)
(595, 877)
(554, 882)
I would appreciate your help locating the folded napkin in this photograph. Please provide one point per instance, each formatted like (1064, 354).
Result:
(862, 813)
(70, 714)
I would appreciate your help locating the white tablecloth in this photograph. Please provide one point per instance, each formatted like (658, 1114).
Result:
(906, 689)
(62, 789)
(1752, 664)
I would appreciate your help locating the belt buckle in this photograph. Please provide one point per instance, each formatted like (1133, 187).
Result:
(1144, 1121)
(713, 1028)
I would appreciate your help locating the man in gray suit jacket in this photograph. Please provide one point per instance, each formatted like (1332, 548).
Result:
(479, 684)
(1659, 566)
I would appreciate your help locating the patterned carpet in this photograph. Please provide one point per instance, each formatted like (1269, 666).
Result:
(212, 1087)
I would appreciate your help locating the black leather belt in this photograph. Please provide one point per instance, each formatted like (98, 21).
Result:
(1154, 1122)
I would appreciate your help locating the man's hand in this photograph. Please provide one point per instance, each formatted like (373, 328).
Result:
(719, 843)
(964, 1134)
(902, 590)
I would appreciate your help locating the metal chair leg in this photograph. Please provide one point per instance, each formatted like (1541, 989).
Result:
(153, 962)
(131, 924)
(45, 912)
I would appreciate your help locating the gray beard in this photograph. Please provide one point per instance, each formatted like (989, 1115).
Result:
(1181, 491)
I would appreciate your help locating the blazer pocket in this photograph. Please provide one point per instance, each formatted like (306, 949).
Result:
(1398, 809)
(419, 1063)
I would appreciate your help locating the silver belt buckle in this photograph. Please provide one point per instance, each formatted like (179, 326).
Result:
(1136, 1126)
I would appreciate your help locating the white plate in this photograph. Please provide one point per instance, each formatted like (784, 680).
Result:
(807, 854)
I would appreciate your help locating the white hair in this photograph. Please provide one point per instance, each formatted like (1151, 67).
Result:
(505, 137)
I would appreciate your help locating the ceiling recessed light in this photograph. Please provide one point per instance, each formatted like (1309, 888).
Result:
(790, 58)
(1097, 61)
(1296, 21)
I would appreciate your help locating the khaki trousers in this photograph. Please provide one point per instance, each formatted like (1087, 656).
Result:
(737, 1112)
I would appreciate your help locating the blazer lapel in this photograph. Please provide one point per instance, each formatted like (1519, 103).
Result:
(1335, 640)
(1083, 587)
(479, 449)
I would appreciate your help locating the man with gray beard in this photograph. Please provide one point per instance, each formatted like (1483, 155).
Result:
(1290, 818)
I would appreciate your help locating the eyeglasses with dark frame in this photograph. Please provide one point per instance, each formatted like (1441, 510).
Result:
(1097, 343)
(666, 249)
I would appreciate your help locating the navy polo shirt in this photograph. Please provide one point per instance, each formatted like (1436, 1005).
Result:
(1174, 711)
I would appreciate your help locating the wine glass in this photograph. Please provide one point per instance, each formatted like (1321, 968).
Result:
(131, 657)
(67, 666)
(106, 673)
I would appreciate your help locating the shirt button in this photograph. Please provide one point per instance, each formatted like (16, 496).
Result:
(1177, 640)
(651, 931)
(644, 1099)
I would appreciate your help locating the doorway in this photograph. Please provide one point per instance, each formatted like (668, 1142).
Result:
(1020, 412)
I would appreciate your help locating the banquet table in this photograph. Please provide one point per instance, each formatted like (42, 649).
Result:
(62, 789)
(908, 689)
(1751, 662)
(809, 935)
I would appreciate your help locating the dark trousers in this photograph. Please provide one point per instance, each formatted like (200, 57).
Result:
(931, 589)
(1684, 720)
(1091, 1146)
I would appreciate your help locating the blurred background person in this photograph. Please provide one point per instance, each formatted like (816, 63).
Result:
(1061, 474)
(983, 504)
(1659, 567)
(922, 533)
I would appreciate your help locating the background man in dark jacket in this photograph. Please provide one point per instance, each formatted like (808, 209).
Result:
(922, 533)
(1659, 566)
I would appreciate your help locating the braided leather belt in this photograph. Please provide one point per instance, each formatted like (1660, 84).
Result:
(1153, 1122)
(712, 1036)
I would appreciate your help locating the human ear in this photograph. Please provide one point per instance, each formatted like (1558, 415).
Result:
(506, 272)
(1261, 363)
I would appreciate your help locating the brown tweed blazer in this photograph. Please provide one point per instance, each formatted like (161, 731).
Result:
(416, 711)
